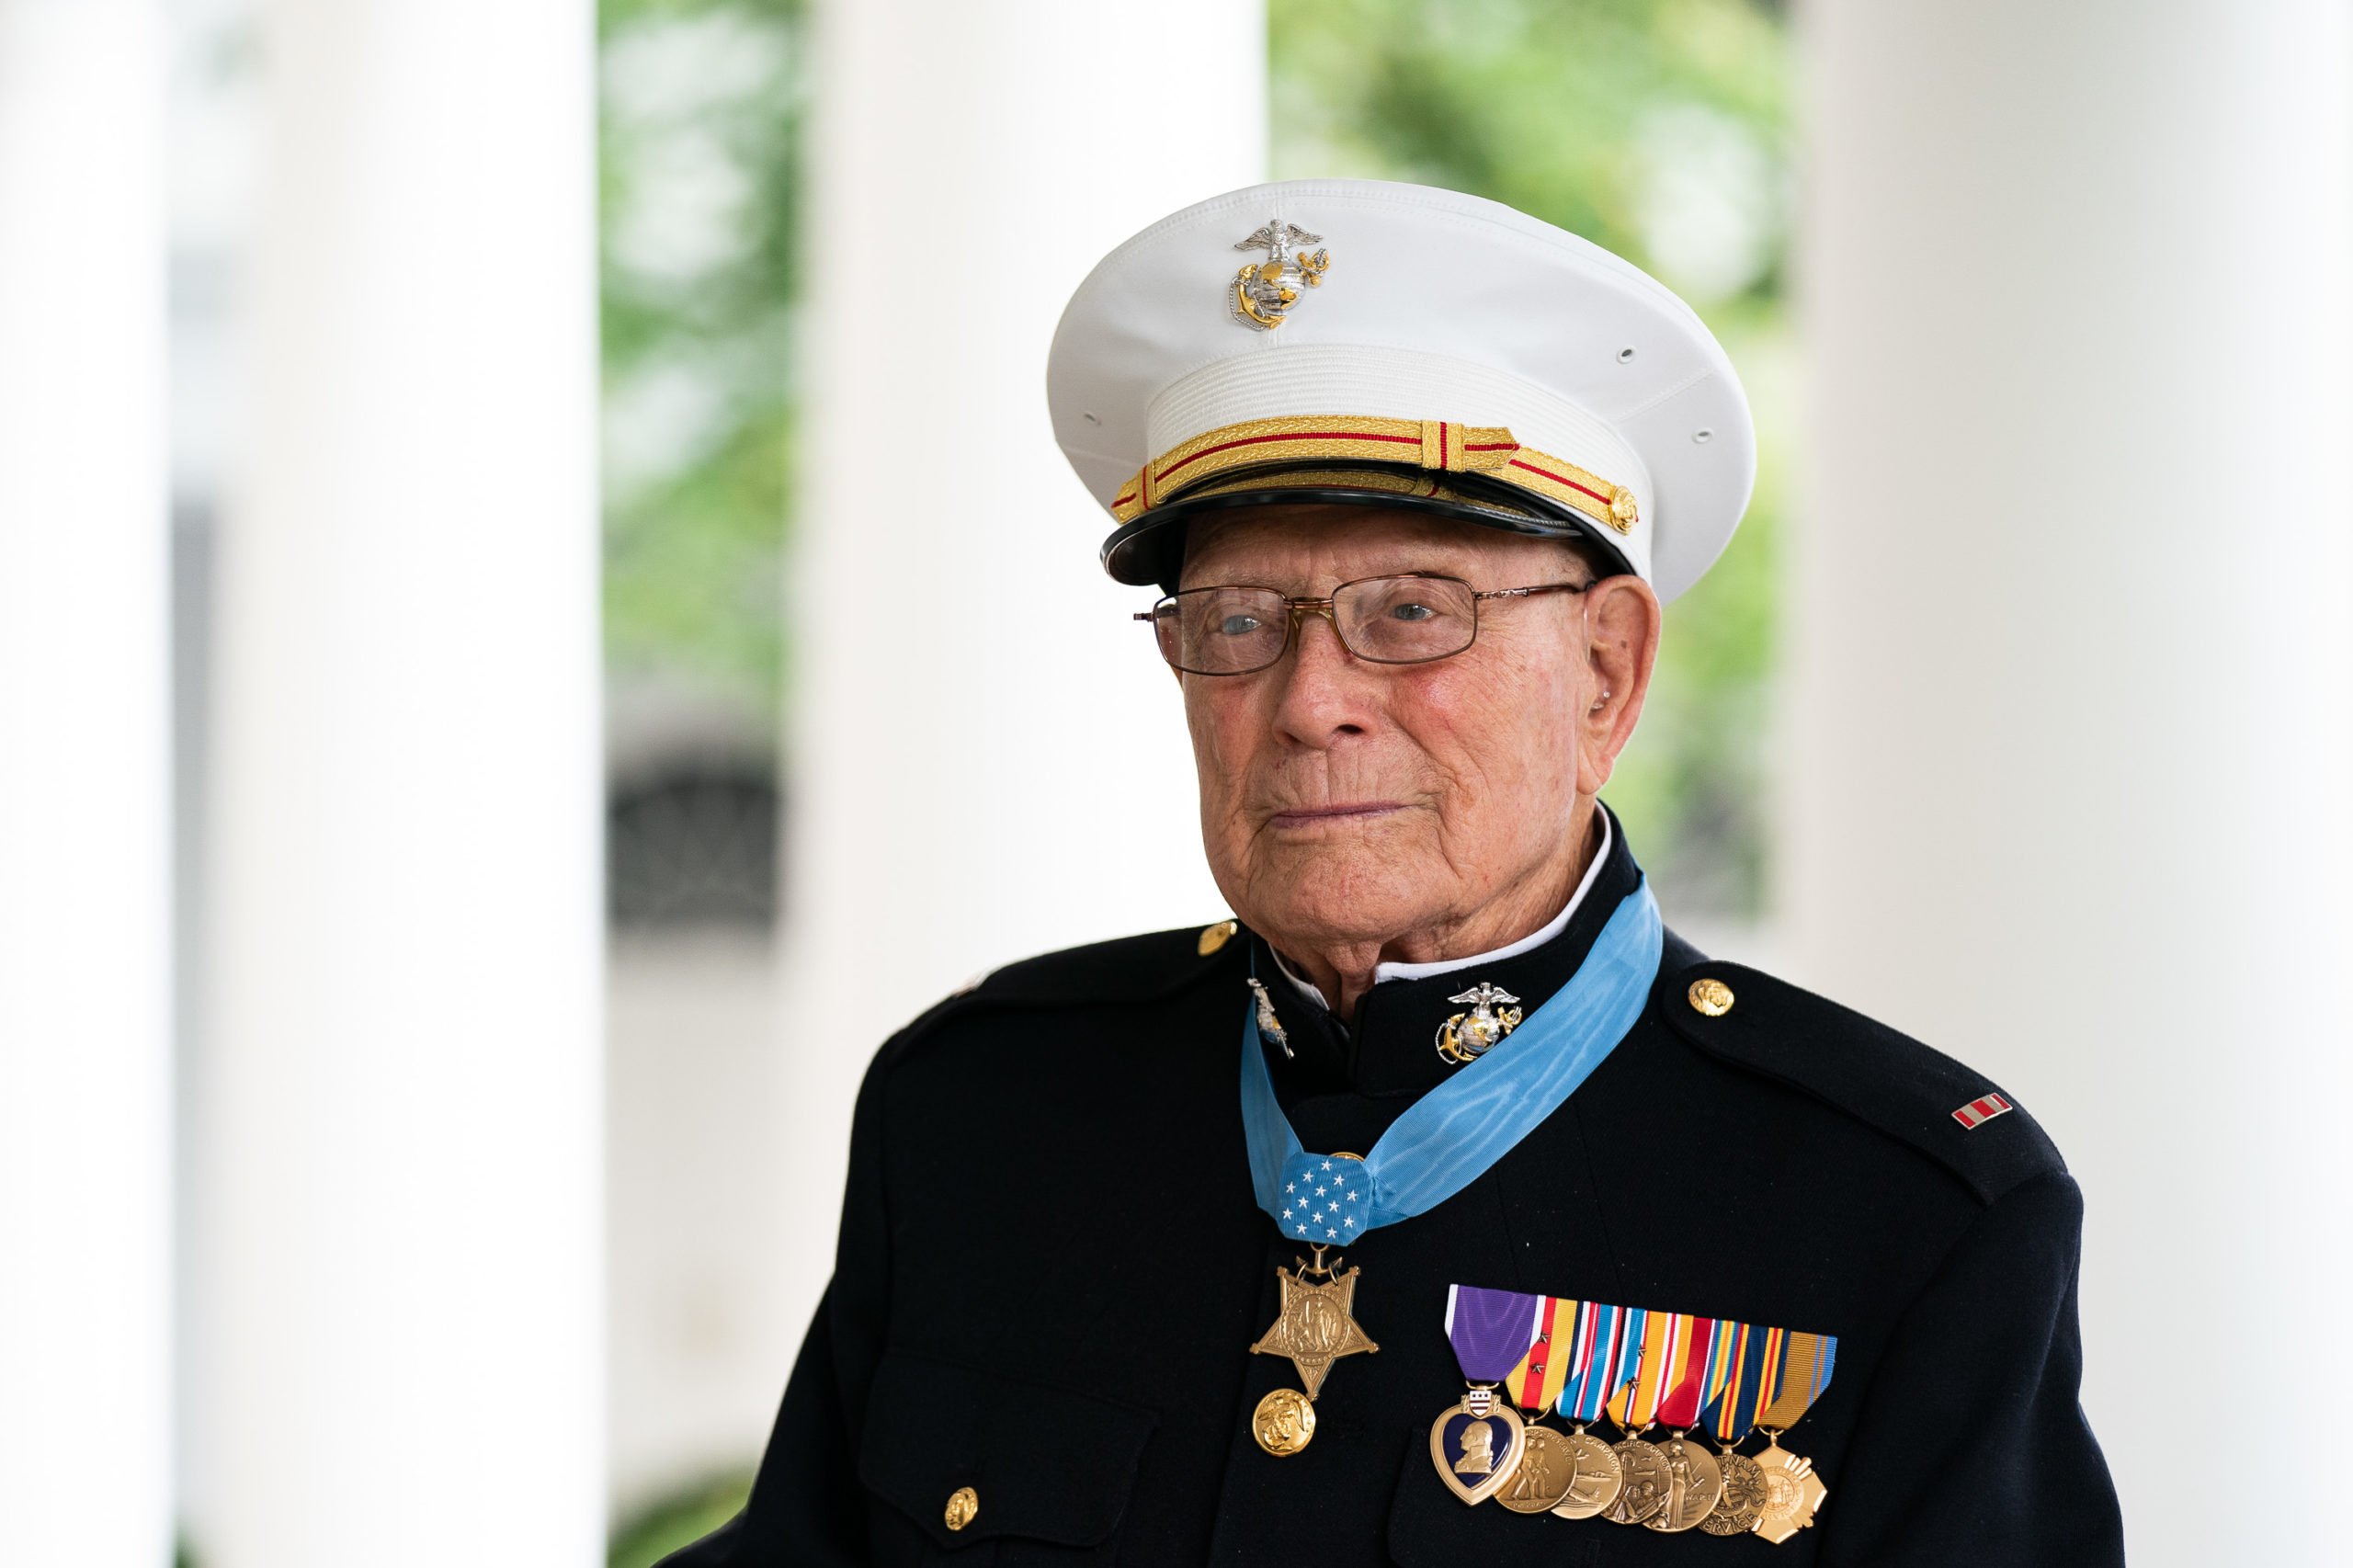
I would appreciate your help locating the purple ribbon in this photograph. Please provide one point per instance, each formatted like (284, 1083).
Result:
(1490, 1330)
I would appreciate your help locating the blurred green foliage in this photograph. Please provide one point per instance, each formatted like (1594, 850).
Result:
(654, 1532)
(1658, 129)
(700, 108)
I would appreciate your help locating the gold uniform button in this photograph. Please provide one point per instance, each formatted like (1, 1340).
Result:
(1711, 996)
(962, 1504)
(1216, 936)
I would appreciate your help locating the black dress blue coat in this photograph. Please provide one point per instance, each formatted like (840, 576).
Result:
(1050, 1271)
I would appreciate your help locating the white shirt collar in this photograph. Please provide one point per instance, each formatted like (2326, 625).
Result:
(1536, 939)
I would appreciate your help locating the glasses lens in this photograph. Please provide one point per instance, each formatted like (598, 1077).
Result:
(1403, 620)
(1221, 632)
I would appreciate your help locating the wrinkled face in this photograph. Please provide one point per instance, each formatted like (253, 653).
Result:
(1344, 802)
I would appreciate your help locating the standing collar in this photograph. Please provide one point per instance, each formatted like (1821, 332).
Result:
(1392, 1045)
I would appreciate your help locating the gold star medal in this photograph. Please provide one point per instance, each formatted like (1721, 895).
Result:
(1316, 1325)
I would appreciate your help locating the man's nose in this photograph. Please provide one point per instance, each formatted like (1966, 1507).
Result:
(1324, 693)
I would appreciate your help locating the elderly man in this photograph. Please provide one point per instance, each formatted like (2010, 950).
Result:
(1523, 1231)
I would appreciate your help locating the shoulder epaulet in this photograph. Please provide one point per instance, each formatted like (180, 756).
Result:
(1130, 968)
(1949, 1112)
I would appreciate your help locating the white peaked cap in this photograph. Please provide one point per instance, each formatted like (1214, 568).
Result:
(1398, 344)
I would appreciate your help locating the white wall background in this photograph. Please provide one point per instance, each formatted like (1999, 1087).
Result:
(400, 1333)
(987, 758)
(85, 879)
(2072, 672)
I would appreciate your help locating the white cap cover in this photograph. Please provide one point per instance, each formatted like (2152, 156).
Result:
(1372, 327)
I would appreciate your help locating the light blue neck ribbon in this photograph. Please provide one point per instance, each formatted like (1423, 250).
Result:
(1452, 1136)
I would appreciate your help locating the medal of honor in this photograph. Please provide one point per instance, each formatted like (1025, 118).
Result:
(1477, 1444)
(1316, 1325)
(1595, 1476)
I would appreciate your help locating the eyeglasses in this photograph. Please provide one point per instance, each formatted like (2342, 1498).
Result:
(1407, 619)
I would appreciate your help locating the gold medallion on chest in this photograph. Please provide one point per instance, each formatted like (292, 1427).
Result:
(1793, 1493)
(1693, 1485)
(1317, 1324)
(1743, 1503)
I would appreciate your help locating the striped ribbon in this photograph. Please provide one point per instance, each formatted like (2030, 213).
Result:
(1806, 1372)
(1643, 1368)
(1537, 1381)
(1602, 1336)
(1635, 1406)
(1688, 1392)
(1756, 1379)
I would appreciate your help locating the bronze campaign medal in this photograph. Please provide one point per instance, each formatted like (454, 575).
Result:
(1594, 1479)
(1649, 1481)
(1546, 1464)
(1645, 1488)
(1743, 1503)
(1543, 1477)
(1693, 1485)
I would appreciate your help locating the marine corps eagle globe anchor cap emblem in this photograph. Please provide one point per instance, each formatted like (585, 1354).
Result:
(1262, 294)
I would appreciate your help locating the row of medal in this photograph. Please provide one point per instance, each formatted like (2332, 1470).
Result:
(1644, 1370)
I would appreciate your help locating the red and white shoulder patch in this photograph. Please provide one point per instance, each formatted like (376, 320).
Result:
(1978, 1112)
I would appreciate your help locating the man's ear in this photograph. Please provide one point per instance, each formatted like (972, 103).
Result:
(1621, 626)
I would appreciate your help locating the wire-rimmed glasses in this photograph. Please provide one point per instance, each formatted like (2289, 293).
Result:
(1406, 619)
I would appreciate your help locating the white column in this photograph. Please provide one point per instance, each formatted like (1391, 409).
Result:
(404, 1357)
(85, 790)
(2072, 793)
(985, 757)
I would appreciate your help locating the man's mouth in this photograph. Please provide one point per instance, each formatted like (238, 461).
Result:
(1355, 810)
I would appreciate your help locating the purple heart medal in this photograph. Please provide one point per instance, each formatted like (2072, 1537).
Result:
(1476, 1444)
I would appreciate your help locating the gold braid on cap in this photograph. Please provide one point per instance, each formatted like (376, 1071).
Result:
(1439, 444)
